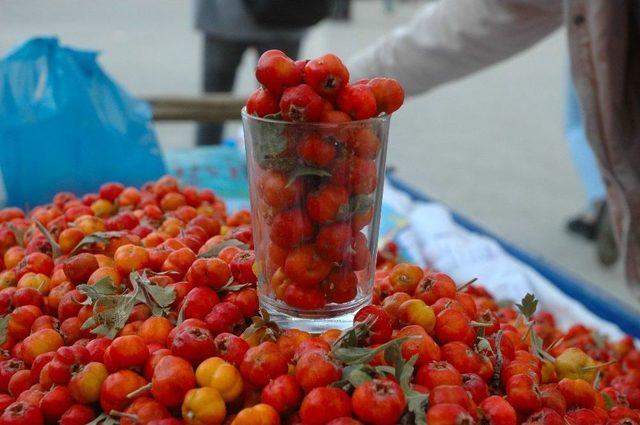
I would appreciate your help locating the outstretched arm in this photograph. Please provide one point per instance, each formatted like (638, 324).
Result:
(449, 39)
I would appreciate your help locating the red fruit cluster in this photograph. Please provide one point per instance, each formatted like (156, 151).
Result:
(150, 324)
(316, 184)
(318, 90)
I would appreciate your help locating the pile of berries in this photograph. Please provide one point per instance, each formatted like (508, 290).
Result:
(318, 90)
(315, 168)
(138, 306)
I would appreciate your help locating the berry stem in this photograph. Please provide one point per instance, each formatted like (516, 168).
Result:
(143, 389)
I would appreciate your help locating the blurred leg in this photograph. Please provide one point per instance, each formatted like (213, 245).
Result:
(587, 223)
(220, 62)
(581, 152)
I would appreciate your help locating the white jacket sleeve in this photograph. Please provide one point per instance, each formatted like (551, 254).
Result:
(449, 39)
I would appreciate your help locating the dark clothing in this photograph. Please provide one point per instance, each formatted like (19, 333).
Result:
(230, 19)
(229, 30)
(221, 60)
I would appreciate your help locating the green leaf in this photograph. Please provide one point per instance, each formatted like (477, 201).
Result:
(307, 171)
(482, 345)
(355, 335)
(4, 324)
(98, 237)
(158, 298)
(352, 355)
(417, 405)
(215, 250)
(528, 306)
(113, 313)
(55, 248)
(357, 377)
(360, 203)
(608, 401)
(405, 371)
(104, 286)
(277, 116)
(268, 144)
(416, 401)
(89, 323)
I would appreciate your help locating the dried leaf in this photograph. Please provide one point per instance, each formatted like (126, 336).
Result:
(19, 234)
(599, 339)
(104, 419)
(55, 248)
(215, 250)
(528, 306)
(537, 347)
(98, 237)
(230, 287)
(4, 324)
(307, 171)
(495, 380)
(466, 285)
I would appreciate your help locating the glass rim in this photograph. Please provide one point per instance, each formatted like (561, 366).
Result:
(380, 118)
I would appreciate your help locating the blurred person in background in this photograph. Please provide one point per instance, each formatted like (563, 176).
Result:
(449, 39)
(232, 26)
(594, 223)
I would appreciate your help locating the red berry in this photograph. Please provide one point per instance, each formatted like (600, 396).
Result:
(304, 298)
(324, 404)
(290, 228)
(262, 103)
(276, 72)
(358, 101)
(283, 394)
(327, 75)
(316, 151)
(263, 363)
(305, 267)
(381, 323)
(449, 414)
(231, 348)
(277, 192)
(497, 410)
(327, 203)
(301, 103)
(315, 369)
(379, 402)
(388, 93)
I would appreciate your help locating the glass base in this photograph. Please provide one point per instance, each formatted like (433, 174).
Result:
(334, 317)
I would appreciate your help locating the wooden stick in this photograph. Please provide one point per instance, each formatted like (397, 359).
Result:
(217, 107)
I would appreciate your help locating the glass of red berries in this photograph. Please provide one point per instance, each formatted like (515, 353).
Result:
(316, 190)
(316, 148)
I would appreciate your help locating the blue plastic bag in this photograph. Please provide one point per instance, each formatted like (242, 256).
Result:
(66, 126)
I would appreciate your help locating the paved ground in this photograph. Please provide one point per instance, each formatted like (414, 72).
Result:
(491, 146)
